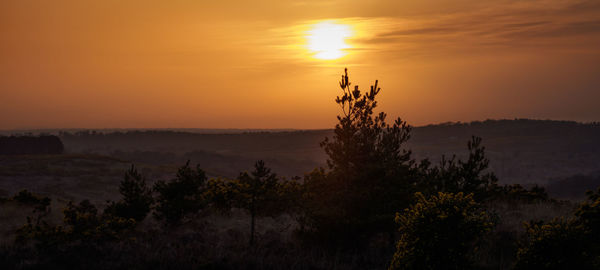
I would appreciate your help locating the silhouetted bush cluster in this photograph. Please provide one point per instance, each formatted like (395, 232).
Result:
(182, 197)
(454, 175)
(440, 232)
(370, 176)
(572, 243)
(25, 197)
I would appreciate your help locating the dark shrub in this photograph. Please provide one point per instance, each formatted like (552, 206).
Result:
(182, 196)
(440, 232)
(137, 197)
(564, 243)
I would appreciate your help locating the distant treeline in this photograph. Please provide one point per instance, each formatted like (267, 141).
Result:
(24, 145)
(508, 128)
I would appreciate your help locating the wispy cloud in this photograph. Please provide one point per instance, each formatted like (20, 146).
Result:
(513, 25)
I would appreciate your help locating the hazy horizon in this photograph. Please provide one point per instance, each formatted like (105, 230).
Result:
(247, 129)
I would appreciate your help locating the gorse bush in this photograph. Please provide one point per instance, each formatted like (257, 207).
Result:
(82, 224)
(220, 193)
(75, 244)
(559, 244)
(564, 243)
(440, 232)
(588, 212)
(41, 205)
(26, 197)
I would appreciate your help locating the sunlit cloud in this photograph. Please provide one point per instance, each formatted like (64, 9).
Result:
(327, 40)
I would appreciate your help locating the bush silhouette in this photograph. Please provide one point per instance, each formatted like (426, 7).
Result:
(182, 196)
(137, 197)
(454, 175)
(41, 204)
(564, 243)
(439, 232)
(81, 225)
(559, 244)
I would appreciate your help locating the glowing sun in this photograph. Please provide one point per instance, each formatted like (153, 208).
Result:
(327, 40)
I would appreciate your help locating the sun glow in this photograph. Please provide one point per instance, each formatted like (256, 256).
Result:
(327, 40)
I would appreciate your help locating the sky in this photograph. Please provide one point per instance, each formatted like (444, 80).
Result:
(277, 63)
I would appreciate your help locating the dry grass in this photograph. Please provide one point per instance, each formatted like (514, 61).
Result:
(513, 214)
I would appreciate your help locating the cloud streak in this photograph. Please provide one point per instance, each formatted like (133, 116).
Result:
(513, 25)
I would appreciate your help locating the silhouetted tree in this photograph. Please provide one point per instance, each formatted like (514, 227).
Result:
(440, 232)
(257, 193)
(369, 174)
(181, 196)
(137, 197)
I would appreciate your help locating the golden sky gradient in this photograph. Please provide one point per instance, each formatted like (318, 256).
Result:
(250, 64)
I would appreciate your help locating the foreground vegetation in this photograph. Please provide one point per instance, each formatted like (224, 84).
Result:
(373, 207)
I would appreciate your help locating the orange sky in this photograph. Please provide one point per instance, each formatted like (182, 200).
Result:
(245, 64)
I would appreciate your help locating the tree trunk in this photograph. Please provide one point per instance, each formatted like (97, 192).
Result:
(252, 214)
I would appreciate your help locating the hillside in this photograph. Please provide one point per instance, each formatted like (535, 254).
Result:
(521, 151)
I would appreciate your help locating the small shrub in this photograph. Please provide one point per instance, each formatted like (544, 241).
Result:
(81, 224)
(559, 244)
(41, 204)
(564, 244)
